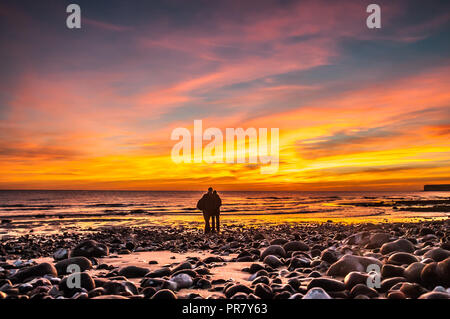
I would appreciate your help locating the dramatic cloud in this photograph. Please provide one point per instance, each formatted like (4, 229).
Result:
(95, 108)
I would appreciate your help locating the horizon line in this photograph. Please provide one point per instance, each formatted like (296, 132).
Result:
(238, 190)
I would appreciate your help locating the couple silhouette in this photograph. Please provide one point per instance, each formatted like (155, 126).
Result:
(210, 204)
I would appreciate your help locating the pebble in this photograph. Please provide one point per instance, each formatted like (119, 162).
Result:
(133, 272)
(273, 261)
(34, 271)
(90, 248)
(295, 246)
(275, 250)
(399, 245)
(349, 263)
(82, 262)
(182, 280)
(437, 254)
(327, 284)
(402, 259)
(316, 293)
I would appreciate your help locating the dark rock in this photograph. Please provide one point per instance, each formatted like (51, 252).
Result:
(402, 259)
(360, 238)
(244, 259)
(413, 271)
(157, 273)
(437, 254)
(399, 245)
(213, 259)
(263, 291)
(295, 246)
(82, 262)
(435, 295)
(327, 284)
(275, 250)
(426, 231)
(273, 261)
(299, 262)
(349, 263)
(133, 272)
(278, 241)
(362, 289)
(90, 248)
(203, 283)
(396, 294)
(261, 279)
(232, 290)
(388, 271)
(164, 294)
(255, 267)
(434, 274)
(185, 265)
(377, 239)
(34, 271)
(60, 254)
(387, 284)
(86, 282)
(110, 297)
(412, 290)
(124, 288)
(329, 255)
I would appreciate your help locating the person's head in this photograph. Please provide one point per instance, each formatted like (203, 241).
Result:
(210, 190)
(215, 192)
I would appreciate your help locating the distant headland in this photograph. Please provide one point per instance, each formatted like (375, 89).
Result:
(436, 188)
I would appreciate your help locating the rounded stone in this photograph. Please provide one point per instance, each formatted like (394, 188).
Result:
(388, 271)
(82, 262)
(31, 272)
(327, 284)
(275, 250)
(413, 271)
(295, 246)
(85, 281)
(164, 294)
(437, 254)
(133, 271)
(232, 290)
(402, 259)
(362, 289)
(90, 248)
(316, 293)
(349, 263)
(399, 245)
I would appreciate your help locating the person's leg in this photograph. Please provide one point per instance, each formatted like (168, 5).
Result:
(213, 223)
(218, 223)
(207, 227)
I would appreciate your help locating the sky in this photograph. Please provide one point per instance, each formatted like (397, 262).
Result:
(94, 108)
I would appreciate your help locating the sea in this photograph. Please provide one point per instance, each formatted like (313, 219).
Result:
(44, 204)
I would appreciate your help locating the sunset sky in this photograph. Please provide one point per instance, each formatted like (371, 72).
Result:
(356, 108)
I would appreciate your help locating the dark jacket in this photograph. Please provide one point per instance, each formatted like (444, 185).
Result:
(210, 204)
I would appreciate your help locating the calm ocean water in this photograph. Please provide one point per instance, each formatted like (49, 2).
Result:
(26, 204)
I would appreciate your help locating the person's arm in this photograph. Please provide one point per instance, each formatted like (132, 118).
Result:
(219, 201)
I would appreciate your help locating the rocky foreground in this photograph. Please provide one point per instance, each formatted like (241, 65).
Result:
(314, 261)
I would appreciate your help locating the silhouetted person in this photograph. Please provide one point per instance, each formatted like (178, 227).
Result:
(215, 216)
(207, 204)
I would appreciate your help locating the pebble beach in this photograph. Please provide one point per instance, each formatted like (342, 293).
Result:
(326, 260)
